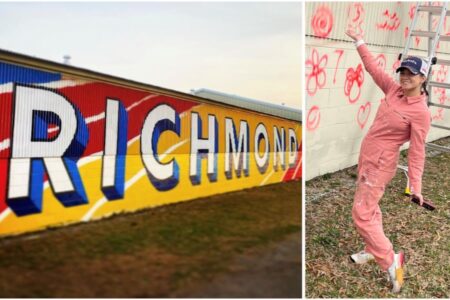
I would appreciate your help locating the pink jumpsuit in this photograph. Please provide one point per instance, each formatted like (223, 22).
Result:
(399, 119)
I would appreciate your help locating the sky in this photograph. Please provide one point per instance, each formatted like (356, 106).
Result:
(250, 49)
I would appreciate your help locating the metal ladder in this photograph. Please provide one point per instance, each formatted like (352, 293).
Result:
(433, 39)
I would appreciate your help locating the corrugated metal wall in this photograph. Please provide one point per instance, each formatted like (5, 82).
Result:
(379, 21)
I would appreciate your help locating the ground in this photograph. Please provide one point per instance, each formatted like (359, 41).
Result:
(423, 235)
(240, 244)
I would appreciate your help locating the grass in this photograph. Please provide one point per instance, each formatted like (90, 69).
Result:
(423, 235)
(152, 253)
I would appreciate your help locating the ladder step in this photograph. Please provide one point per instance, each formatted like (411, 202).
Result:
(430, 34)
(440, 126)
(437, 147)
(439, 105)
(439, 84)
(444, 62)
(435, 10)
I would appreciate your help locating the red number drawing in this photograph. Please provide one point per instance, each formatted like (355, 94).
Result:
(441, 76)
(355, 17)
(363, 114)
(435, 23)
(313, 119)
(439, 115)
(416, 39)
(391, 24)
(412, 9)
(322, 21)
(316, 79)
(442, 73)
(381, 61)
(352, 90)
(340, 51)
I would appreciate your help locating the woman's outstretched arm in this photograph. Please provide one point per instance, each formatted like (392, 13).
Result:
(381, 78)
(420, 126)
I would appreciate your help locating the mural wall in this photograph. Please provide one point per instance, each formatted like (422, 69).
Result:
(75, 150)
(341, 98)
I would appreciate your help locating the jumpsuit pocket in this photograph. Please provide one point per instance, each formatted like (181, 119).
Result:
(370, 159)
(387, 161)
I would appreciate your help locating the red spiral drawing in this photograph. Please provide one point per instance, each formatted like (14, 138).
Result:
(313, 118)
(322, 22)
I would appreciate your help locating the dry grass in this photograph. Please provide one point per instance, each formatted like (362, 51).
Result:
(423, 235)
(153, 253)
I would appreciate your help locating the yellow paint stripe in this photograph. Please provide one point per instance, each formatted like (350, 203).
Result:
(267, 178)
(129, 183)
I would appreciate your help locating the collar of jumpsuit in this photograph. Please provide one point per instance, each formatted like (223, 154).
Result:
(413, 99)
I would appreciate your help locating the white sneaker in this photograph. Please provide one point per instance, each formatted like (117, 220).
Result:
(396, 271)
(361, 257)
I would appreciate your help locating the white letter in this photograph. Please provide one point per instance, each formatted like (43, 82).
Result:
(113, 167)
(161, 118)
(279, 147)
(236, 153)
(293, 148)
(35, 110)
(261, 161)
(203, 146)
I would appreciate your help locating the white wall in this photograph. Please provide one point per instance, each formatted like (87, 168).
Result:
(335, 122)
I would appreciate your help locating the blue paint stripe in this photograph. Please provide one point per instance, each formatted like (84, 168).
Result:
(18, 74)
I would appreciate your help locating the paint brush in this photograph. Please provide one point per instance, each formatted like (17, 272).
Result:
(426, 203)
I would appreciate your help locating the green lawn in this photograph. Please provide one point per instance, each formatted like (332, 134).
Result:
(152, 253)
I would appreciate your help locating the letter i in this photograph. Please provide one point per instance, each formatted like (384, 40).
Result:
(113, 169)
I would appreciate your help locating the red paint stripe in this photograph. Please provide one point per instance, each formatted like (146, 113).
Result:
(5, 123)
(290, 173)
(3, 182)
(91, 101)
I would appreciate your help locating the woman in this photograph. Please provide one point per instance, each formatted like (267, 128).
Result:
(402, 116)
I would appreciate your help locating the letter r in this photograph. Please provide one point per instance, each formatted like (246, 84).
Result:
(34, 152)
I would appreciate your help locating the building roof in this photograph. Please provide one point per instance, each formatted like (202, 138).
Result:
(201, 95)
(252, 104)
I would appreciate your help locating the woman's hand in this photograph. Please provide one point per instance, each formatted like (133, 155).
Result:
(420, 197)
(353, 34)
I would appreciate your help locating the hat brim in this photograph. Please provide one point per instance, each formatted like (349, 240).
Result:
(415, 72)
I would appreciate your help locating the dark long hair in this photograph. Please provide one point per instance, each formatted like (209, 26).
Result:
(424, 87)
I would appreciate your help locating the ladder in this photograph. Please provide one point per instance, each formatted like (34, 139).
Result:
(433, 39)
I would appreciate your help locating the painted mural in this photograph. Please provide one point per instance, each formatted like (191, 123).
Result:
(74, 150)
